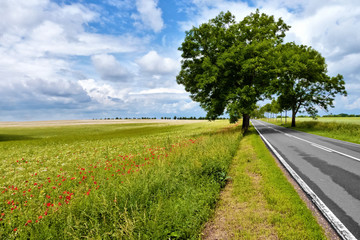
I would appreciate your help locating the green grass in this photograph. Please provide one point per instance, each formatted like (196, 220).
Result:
(132, 181)
(140, 181)
(345, 129)
(355, 120)
(269, 204)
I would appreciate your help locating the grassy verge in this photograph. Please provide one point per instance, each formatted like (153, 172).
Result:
(135, 181)
(260, 203)
(343, 129)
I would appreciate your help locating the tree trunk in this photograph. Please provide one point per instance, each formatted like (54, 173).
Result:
(246, 122)
(293, 118)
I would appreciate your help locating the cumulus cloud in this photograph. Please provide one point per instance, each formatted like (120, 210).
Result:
(121, 4)
(43, 29)
(355, 104)
(149, 14)
(153, 63)
(349, 102)
(52, 55)
(42, 50)
(330, 30)
(109, 68)
(138, 102)
(42, 94)
(188, 105)
(348, 64)
(103, 93)
(159, 91)
(203, 10)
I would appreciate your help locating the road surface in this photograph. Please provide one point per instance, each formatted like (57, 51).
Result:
(331, 168)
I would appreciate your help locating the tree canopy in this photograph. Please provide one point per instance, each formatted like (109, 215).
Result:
(304, 83)
(228, 65)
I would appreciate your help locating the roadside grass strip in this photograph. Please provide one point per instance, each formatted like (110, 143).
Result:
(345, 130)
(135, 181)
(259, 202)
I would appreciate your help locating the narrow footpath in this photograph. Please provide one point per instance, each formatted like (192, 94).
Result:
(261, 201)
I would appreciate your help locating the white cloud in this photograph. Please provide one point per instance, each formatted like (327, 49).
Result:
(42, 28)
(47, 46)
(349, 102)
(42, 50)
(208, 9)
(150, 14)
(18, 16)
(354, 86)
(355, 104)
(158, 91)
(348, 64)
(121, 4)
(138, 102)
(109, 68)
(152, 62)
(330, 29)
(103, 93)
(188, 105)
(179, 106)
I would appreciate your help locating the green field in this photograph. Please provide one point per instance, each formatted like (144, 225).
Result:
(134, 181)
(355, 120)
(342, 128)
(120, 181)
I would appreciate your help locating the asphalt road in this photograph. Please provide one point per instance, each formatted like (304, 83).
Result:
(331, 168)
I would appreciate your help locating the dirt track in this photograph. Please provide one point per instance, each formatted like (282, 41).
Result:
(91, 122)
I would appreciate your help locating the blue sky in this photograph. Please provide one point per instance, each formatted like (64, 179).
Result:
(68, 59)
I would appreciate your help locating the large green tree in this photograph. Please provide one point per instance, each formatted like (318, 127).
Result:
(304, 83)
(228, 65)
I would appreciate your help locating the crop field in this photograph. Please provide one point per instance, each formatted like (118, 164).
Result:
(350, 120)
(140, 180)
(133, 181)
(342, 128)
(355, 120)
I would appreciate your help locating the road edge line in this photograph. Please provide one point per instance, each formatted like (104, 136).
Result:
(343, 232)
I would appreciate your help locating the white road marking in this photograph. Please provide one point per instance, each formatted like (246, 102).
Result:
(315, 144)
(322, 147)
(337, 224)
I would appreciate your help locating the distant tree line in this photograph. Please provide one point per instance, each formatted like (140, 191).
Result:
(199, 118)
(164, 118)
(126, 118)
(342, 115)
